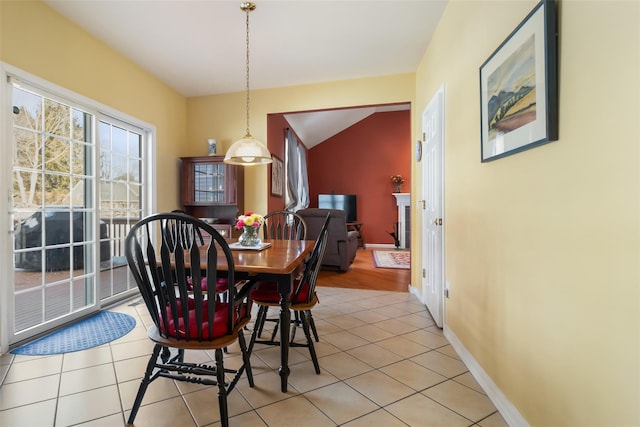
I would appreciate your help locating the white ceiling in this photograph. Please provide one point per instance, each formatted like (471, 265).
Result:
(198, 47)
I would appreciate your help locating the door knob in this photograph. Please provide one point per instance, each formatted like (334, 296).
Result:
(437, 221)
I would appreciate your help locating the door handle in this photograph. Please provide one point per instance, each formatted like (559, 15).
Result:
(437, 221)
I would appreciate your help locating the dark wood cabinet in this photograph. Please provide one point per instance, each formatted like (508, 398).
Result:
(225, 230)
(208, 181)
(212, 189)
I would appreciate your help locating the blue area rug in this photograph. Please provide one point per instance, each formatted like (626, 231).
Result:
(102, 328)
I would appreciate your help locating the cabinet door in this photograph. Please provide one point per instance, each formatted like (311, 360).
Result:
(208, 181)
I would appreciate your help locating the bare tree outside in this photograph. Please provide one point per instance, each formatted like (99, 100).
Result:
(50, 149)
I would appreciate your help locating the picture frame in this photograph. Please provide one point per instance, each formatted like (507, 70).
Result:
(277, 176)
(519, 87)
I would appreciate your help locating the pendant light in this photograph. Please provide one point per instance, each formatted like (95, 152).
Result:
(248, 151)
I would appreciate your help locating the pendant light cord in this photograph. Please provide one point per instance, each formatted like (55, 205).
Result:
(248, 98)
(248, 151)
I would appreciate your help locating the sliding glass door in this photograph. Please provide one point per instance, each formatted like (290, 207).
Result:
(121, 175)
(79, 181)
(53, 210)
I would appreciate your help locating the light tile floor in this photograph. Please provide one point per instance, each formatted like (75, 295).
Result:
(383, 362)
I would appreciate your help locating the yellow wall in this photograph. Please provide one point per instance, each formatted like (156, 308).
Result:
(40, 41)
(223, 116)
(543, 247)
(49, 47)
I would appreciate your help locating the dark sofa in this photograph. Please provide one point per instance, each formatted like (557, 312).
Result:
(342, 244)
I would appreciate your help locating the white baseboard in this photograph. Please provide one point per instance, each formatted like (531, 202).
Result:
(416, 292)
(500, 401)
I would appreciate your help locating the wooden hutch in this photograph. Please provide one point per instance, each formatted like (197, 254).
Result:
(212, 190)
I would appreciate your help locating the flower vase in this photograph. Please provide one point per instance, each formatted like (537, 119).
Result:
(398, 188)
(250, 236)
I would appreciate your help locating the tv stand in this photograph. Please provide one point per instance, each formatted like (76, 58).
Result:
(351, 226)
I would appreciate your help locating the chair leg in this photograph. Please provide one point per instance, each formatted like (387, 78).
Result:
(305, 316)
(260, 329)
(257, 327)
(146, 380)
(246, 356)
(313, 327)
(222, 389)
(275, 329)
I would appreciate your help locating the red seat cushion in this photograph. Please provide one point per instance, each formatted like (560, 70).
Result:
(260, 284)
(221, 284)
(220, 321)
(268, 292)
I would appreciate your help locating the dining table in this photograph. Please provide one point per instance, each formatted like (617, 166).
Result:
(279, 262)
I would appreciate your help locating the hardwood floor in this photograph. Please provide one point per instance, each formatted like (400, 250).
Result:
(364, 275)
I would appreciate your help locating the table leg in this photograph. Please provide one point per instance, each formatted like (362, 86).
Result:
(284, 288)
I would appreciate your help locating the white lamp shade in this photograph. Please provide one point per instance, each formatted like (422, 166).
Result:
(248, 151)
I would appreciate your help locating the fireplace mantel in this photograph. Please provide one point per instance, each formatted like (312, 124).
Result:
(403, 200)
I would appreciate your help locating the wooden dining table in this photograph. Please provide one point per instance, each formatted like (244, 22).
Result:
(278, 263)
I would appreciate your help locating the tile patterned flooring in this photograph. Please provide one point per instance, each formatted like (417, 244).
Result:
(383, 361)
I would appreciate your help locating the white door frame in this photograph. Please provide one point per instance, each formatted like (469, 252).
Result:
(433, 121)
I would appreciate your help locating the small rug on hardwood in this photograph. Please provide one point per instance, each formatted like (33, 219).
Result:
(392, 259)
(96, 330)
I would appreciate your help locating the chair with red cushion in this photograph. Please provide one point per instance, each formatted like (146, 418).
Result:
(282, 225)
(303, 299)
(279, 225)
(185, 314)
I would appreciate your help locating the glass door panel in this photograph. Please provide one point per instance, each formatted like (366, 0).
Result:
(53, 212)
(209, 182)
(121, 186)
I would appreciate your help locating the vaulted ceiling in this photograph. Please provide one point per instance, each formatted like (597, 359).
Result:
(317, 126)
(199, 47)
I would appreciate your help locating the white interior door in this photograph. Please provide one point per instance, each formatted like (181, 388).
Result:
(432, 230)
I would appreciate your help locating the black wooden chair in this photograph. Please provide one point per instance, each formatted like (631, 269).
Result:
(284, 225)
(185, 316)
(303, 299)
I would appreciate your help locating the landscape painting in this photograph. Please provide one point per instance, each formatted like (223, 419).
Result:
(512, 87)
(519, 88)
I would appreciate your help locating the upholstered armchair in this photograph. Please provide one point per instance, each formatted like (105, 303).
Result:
(342, 244)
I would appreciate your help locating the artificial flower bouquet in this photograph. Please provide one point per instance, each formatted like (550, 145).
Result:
(397, 179)
(249, 219)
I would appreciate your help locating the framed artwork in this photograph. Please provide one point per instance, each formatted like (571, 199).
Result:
(519, 88)
(277, 176)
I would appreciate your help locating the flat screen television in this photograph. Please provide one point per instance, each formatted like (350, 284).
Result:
(344, 202)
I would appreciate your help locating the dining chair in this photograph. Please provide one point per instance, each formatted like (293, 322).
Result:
(185, 316)
(221, 282)
(283, 225)
(303, 299)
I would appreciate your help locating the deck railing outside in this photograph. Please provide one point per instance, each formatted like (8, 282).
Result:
(113, 280)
